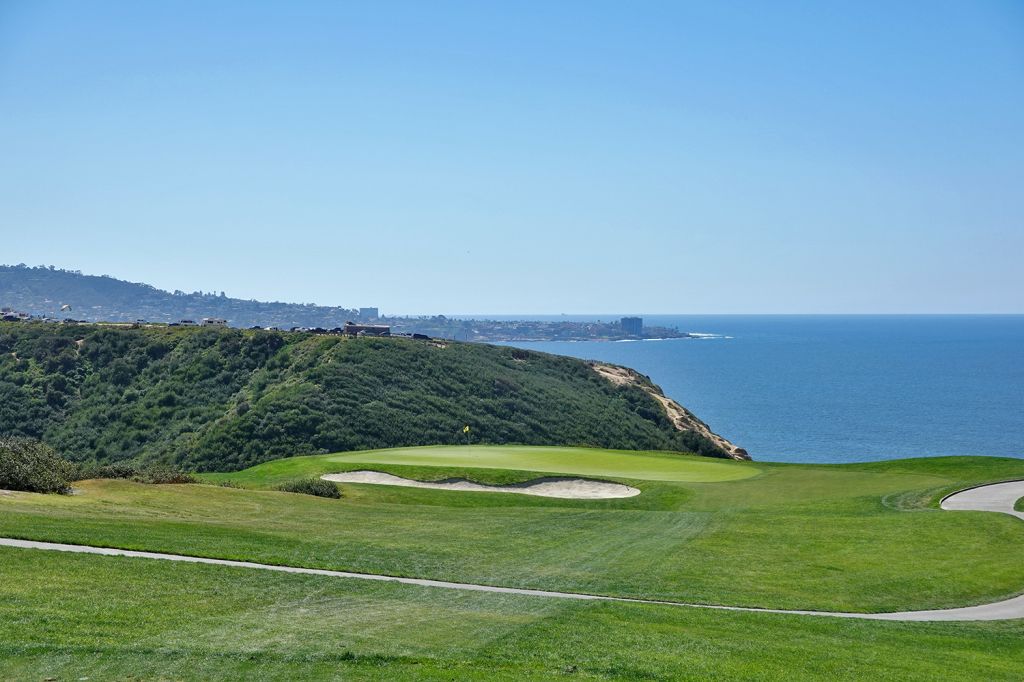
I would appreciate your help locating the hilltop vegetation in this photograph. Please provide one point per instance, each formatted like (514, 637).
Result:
(223, 399)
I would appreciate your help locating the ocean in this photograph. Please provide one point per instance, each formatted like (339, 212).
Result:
(839, 388)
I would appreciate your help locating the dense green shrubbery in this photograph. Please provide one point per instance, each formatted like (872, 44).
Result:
(34, 467)
(159, 474)
(222, 399)
(312, 486)
(149, 473)
(115, 470)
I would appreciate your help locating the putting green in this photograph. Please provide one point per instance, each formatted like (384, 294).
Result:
(646, 466)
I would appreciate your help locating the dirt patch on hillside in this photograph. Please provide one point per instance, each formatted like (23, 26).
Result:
(681, 418)
(565, 488)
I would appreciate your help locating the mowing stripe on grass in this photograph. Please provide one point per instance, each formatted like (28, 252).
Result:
(985, 498)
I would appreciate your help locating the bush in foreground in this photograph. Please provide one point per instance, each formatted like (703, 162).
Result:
(312, 486)
(34, 467)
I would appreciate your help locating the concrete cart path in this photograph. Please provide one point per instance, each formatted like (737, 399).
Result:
(999, 497)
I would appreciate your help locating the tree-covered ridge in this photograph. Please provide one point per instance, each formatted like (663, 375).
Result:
(222, 399)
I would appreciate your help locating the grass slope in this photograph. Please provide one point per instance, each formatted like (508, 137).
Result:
(222, 399)
(856, 537)
(73, 617)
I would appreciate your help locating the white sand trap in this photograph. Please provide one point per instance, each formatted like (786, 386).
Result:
(567, 488)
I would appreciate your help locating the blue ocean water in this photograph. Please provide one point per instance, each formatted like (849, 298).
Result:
(840, 388)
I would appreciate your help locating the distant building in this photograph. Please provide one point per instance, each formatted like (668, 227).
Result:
(214, 322)
(353, 329)
(369, 313)
(632, 326)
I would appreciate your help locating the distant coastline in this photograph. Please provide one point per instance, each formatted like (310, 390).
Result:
(50, 293)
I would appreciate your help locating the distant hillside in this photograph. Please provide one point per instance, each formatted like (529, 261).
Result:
(42, 291)
(224, 399)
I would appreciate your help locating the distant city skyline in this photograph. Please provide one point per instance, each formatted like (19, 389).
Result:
(532, 158)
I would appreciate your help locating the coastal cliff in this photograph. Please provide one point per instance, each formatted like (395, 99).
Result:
(681, 418)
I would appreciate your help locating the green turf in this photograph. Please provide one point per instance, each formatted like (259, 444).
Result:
(72, 617)
(854, 537)
(648, 466)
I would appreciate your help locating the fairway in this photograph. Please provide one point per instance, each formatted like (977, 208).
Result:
(996, 497)
(73, 616)
(836, 538)
(864, 538)
(594, 462)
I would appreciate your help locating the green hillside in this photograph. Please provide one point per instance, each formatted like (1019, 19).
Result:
(223, 399)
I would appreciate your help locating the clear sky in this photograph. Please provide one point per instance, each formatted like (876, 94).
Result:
(524, 157)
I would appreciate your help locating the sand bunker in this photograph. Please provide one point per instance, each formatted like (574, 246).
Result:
(567, 488)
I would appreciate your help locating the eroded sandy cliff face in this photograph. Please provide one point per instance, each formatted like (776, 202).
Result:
(682, 418)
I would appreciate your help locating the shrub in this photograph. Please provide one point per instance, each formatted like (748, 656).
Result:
(312, 486)
(154, 473)
(113, 470)
(159, 474)
(34, 467)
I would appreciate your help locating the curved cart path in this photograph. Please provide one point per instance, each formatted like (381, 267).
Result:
(998, 497)
(995, 497)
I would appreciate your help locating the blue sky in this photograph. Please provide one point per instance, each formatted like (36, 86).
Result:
(547, 157)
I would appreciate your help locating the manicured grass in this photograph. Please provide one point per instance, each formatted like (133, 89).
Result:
(72, 616)
(854, 537)
(648, 466)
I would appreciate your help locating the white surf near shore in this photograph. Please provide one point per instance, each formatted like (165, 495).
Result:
(565, 488)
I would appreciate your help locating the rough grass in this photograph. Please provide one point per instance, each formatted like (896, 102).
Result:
(73, 616)
(857, 538)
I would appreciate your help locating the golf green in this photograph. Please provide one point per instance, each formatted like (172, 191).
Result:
(646, 466)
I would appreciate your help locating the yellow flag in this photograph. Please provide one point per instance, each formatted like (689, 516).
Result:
(465, 429)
